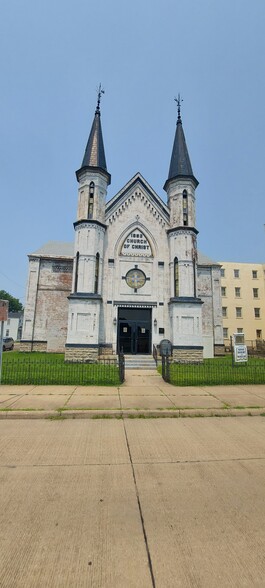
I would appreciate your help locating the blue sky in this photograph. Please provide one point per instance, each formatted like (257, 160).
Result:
(53, 55)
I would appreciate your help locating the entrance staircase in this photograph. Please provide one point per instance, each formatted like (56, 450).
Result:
(139, 362)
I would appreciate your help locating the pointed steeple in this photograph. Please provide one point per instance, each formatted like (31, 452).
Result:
(180, 165)
(94, 156)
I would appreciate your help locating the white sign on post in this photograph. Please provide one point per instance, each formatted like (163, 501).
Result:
(241, 353)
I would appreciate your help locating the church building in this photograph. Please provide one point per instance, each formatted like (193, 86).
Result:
(133, 275)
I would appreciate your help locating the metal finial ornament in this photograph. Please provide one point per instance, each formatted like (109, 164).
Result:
(178, 100)
(100, 91)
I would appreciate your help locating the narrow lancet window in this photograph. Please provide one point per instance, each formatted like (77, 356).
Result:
(76, 271)
(91, 200)
(96, 274)
(185, 207)
(176, 277)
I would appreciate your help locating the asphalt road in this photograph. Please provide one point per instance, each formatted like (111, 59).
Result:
(132, 503)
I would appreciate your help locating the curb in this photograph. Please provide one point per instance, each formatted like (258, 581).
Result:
(120, 414)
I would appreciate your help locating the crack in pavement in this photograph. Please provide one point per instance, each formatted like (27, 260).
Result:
(140, 511)
(123, 463)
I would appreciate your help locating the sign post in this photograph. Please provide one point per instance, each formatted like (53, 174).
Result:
(3, 318)
(240, 349)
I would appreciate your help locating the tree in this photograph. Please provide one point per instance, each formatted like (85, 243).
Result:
(14, 303)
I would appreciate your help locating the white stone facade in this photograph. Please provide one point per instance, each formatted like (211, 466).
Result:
(92, 323)
(133, 275)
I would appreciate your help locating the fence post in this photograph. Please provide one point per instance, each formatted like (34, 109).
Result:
(167, 368)
(121, 366)
(163, 366)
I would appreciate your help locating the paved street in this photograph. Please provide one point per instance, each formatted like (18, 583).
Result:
(132, 502)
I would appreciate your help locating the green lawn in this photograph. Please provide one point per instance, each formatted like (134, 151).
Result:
(217, 371)
(50, 368)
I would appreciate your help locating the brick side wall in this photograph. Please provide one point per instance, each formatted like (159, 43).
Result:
(52, 304)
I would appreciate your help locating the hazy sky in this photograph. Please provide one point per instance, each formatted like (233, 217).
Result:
(54, 53)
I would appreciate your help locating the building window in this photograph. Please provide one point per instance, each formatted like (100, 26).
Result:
(185, 207)
(222, 272)
(223, 291)
(237, 292)
(236, 273)
(91, 200)
(96, 274)
(254, 274)
(238, 312)
(257, 312)
(176, 277)
(255, 292)
(7, 332)
(224, 311)
(239, 330)
(259, 334)
(225, 333)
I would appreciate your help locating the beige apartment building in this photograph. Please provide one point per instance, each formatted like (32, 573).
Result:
(243, 300)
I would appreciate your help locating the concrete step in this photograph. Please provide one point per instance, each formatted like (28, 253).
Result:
(145, 362)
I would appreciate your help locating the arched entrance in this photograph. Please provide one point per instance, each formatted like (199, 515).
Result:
(134, 330)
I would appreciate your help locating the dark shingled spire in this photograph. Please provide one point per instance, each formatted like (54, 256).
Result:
(94, 156)
(180, 165)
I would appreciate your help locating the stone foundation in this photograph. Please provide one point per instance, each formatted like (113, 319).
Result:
(105, 350)
(219, 350)
(187, 354)
(81, 354)
(29, 346)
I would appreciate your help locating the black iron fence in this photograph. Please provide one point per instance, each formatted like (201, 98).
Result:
(214, 372)
(51, 369)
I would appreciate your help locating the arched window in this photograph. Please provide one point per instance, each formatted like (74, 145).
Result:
(96, 274)
(185, 207)
(76, 271)
(91, 200)
(176, 277)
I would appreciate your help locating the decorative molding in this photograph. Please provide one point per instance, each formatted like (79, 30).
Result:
(84, 295)
(32, 341)
(135, 196)
(82, 345)
(187, 347)
(182, 231)
(90, 224)
(134, 304)
(185, 300)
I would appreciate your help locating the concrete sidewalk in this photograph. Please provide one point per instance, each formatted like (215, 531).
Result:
(143, 394)
(164, 503)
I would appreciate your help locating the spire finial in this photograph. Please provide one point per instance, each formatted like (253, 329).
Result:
(178, 100)
(100, 91)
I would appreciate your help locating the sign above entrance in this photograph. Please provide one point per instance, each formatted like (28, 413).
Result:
(136, 244)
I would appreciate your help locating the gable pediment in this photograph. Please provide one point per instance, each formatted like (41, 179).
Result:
(137, 191)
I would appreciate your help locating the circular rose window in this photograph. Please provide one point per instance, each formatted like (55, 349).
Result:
(135, 278)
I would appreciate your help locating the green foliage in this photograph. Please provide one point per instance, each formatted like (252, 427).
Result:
(14, 303)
